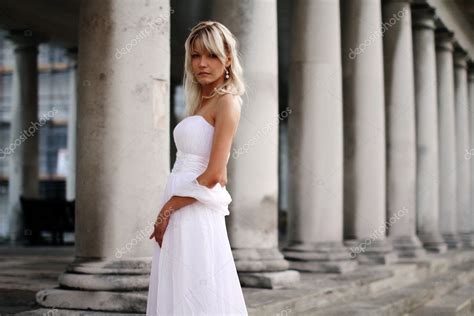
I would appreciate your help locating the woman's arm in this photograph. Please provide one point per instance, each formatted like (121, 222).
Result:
(226, 122)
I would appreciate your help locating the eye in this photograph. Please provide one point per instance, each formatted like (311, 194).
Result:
(194, 55)
(213, 55)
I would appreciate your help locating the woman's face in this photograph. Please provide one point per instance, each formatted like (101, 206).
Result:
(207, 68)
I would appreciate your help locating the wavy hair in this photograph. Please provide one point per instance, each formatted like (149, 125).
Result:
(218, 40)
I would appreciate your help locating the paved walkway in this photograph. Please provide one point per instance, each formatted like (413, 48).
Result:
(26, 270)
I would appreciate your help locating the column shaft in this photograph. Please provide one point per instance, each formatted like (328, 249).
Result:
(253, 221)
(401, 133)
(122, 151)
(364, 132)
(463, 164)
(447, 137)
(315, 141)
(427, 185)
(71, 130)
(24, 132)
(471, 136)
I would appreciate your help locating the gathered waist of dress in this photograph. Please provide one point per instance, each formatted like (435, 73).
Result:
(187, 162)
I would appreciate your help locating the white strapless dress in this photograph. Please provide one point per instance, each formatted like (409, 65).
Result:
(194, 272)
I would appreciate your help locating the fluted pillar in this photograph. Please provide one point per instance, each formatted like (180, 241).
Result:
(463, 166)
(122, 154)
(470, 155)
(401, 133)
(71, 127)
(447, 137)
(315, 136)
(253, 223)
(23, 148)
(427, 184)
(364, 133)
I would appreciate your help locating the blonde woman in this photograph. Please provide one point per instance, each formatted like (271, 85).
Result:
(193, 270)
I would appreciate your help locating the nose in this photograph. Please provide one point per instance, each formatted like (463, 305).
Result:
(203, 61)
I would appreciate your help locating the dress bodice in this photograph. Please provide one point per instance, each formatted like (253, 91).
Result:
(193, 139)
(193, 135)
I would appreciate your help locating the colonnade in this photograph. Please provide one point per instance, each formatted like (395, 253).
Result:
(380, 123)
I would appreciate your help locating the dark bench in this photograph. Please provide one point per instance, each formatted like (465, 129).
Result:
(53, 215)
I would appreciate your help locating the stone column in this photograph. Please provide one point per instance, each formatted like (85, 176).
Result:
(71, 128)
(122, 151)
(471, 139)
(252, 226)
(427, 185)
(364, 129)
(401, 133)
(315, 213)
(447, 137)
(24, 131)
(463, 164)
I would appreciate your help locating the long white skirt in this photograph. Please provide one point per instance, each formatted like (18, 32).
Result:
(194, 272)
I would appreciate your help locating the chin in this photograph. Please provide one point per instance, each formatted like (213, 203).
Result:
(208, 81)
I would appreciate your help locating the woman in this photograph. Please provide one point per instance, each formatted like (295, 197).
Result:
(193, 270)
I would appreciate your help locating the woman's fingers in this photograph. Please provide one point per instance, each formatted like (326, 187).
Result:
(159, 239)
(159, 231)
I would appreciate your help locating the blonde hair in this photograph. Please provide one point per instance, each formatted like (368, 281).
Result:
(218, 40)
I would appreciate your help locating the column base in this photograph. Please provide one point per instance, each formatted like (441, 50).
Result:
(433, 243)
(259, 260)
(369, 251)
(452, 240)
(102, 285)
(467, 240)
(264, 268)
(320, 257)
(408, 247)
(269, 280)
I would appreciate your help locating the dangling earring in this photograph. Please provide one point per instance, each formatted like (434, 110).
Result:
(226, 74)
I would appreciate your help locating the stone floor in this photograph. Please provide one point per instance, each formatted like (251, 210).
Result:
(438, 285)
(25, 270)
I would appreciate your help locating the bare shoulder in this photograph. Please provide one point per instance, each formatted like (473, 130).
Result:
(228, 109)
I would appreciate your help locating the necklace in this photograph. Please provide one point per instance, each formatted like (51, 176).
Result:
(213, 93)
(210, 96)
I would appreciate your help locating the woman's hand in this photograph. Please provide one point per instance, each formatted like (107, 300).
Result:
(211, 181)
(162, 223)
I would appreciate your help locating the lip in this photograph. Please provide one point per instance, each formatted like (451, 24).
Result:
(203, 73)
